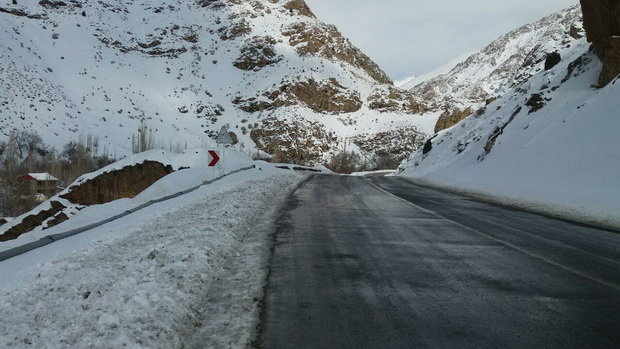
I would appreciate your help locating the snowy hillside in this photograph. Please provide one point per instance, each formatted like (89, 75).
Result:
(550, 142)
(278, 75)
(499, 67)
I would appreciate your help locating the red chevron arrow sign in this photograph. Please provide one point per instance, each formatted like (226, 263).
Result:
(215, 158)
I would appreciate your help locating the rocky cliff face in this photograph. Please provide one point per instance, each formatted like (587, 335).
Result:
(451, 117)
(185, 68)
(601, 20)
(505, 63)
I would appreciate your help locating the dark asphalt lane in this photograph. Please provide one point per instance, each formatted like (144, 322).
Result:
(381, 263)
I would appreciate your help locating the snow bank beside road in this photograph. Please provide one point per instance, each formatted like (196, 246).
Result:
(144, 282)
(549, 145)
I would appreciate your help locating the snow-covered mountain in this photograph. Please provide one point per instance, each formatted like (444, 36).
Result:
(284, 81)
(500, 66)
(549, 141)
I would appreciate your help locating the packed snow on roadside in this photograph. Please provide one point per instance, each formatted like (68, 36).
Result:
(549, 145)
(373, 173)
(185, 272)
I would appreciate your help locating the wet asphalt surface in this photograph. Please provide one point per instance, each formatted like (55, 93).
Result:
(382, 263)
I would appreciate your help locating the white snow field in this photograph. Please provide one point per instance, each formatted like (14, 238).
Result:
(561, 159)
(187, 272)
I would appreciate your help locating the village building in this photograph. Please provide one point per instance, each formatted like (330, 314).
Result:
(40, 185)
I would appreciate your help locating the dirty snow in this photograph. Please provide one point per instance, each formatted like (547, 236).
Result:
(185, 272)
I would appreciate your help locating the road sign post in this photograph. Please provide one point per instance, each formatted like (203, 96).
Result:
(223, 140)
(215, 158)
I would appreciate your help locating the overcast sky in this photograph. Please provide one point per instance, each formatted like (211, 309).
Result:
(412, 37)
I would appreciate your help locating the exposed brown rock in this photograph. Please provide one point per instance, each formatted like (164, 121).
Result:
(451, 117)
(601, 20)
(20, 13)
(152, 48)
(324, 40)
(298, 141)
(300, 7)
(236, 30)
(392, 99)
(536, 102)
(234, 137)
(256, 53)
(193, 38)
(576, 32)
(172, 52)
(397, 144)
(152, 44)
(52, 4)
(59, 218)
(490, 100)
(611, 62)
(328, 97)
(123, 183)
(205, 3)
(32, 221)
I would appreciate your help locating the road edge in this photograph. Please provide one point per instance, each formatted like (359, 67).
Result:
(530, 206)
(257, 340)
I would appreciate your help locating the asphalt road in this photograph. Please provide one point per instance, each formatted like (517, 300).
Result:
(382, 263)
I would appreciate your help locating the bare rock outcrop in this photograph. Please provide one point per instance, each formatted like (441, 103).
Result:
(236, 30)
(328, 97)
(300, 7)
(298, 141)
(397, 144)
(451, 117)
(392, 99)
(601, 20)
(257, 53)
(21, 13)
(326, 41)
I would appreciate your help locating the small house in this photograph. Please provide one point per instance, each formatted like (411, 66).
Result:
(40, 185)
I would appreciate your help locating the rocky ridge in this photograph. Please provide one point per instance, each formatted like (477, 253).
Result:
(505, 63)
(185, 68)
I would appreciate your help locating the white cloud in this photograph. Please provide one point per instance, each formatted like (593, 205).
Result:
(411, 37)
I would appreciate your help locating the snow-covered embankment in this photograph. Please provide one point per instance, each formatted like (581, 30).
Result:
(152, 279)
(549, 145)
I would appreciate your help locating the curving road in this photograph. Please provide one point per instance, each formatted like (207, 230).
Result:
(382, 263)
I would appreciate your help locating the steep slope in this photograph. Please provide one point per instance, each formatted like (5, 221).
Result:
(549, 143)
(277, 75)
(500, 66)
